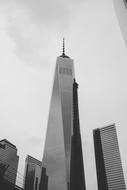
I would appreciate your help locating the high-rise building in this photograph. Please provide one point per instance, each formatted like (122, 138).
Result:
(108, 162)
(62, 164)
(121, 13)
(32, 173)
(8, 161)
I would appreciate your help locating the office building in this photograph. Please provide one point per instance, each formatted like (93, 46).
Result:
(8, 161)
(32, 173)
(62, 164)
(108, 162)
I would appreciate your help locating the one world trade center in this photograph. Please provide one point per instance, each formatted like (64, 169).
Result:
(62, 164)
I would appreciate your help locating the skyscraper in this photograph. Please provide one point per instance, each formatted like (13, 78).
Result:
(32, 173)
(108, 161)
(77, 168)
(121, 13)
(60, 157)
(8, 161)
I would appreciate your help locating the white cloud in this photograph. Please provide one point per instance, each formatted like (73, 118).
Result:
(35, 25)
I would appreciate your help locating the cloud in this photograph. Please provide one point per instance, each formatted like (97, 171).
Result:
(53, 14)
(35, 26)
(29, 38)
(34, 140)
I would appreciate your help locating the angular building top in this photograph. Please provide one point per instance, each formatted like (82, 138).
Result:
(6, 142)
(30, 159)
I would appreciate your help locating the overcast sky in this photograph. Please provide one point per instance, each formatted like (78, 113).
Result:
(31, 33)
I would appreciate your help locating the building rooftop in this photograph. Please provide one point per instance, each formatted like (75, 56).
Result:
(105, 127)
(8, 142)
(33, 160)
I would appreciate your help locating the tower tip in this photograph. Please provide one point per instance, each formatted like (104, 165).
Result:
(63, 53)
(63, 47)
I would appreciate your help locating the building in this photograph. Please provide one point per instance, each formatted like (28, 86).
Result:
(62, 164)
(77, 167)
(8, 161)
(121, 13)
(32, 173)
(5, 185)
(108, 161)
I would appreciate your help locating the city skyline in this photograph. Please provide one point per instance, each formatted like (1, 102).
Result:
(31, 41)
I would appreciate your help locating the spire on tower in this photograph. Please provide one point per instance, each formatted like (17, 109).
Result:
(63, 53)
(63, 47)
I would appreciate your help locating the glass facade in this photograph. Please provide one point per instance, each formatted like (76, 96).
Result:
(32, 173)
(8, 161)
(56, 163)
(108, 161)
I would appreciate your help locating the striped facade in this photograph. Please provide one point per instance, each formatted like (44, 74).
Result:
(108, 162)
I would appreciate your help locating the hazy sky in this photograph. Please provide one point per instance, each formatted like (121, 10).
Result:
(31, 33)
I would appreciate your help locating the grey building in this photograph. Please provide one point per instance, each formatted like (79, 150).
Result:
(62, 164)
(32, 173)
(108, 162)
(8, 161)
(120, 7)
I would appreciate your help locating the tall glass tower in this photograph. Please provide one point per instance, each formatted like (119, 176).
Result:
(108, 161)
(60, 162)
